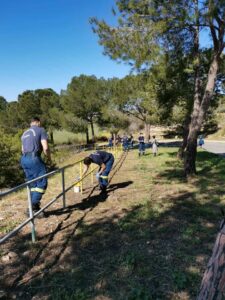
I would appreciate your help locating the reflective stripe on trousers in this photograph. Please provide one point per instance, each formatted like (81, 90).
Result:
(42, 191)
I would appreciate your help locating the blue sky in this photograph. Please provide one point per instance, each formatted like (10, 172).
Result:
(44, 43)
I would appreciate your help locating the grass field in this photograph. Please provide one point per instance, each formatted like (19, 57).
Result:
(150, 237)
(66, 137)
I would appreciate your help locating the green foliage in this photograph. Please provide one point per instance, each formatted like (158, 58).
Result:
(10, 174)
(113, 119)
(43, 103)
(83, 101)
(3, 103)
(139, 293)
(9, 118)
(83, 97)
(28, 106)
(64, 294)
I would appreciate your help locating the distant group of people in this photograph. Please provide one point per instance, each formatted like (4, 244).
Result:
(127, 142)
(141, 148)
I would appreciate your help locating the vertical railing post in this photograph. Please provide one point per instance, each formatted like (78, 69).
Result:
(81, 182)
(92, 175)
(33, 233)
(63, 188)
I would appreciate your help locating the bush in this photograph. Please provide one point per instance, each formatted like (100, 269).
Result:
(102, 139)
(10, 172)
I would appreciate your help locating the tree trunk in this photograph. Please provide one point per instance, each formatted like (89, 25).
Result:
(191, 145)
(92, 131)
(51, 137)
(198, 116)
(147, 132)
(87, 136)
(190, 154)
(213, 282)
(183, 146)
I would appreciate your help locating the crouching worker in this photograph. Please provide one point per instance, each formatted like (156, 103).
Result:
(34, 141)
(105, 161)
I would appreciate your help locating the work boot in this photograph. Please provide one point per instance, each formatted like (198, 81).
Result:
(103, 188)
(36, 207)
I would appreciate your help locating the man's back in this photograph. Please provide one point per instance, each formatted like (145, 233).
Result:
(31, 139)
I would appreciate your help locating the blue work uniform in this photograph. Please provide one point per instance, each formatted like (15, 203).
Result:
(110, 142)
(125, 143)
(99, 158)
(141, 141)
(201, 142)
(32, 162)
(131, 141)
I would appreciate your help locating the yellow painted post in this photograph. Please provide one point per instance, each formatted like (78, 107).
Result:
(81, 183)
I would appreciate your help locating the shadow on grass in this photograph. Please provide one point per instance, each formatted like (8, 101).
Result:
(143, 254)
(89, 202)
(210, 168)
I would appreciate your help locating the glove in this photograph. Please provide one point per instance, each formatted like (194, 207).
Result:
(97, 175)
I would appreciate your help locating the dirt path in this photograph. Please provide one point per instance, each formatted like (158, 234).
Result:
(61, 227)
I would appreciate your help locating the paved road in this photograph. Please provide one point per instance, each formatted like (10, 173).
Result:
(217, 147)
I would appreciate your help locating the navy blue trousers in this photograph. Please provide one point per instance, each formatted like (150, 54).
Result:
(103, 179)
(141, 147)
(34, 167)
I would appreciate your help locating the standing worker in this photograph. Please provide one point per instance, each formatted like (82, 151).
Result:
(110, 142)
(154, 146)
(34, 141)
(125, 142)
(105, 161)
(141, 147)
(131, 141)
(201, 141)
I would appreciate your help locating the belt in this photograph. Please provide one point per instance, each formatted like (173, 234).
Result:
(109, 159)
(32, 154)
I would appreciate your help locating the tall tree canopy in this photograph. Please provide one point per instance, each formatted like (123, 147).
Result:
(146, 29)
(84, 98)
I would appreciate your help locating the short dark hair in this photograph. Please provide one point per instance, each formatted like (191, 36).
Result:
(35, 119)
(87, 160)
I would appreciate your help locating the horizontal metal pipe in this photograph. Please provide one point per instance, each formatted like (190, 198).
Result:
(25, 184)
(13, 232)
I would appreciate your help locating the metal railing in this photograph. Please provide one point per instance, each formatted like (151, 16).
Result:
(115, 150)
